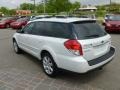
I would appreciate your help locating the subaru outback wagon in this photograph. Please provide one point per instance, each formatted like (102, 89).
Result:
(74, 44)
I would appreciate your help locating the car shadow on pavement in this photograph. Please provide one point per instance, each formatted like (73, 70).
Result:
(86, 77)
(114, 33)
(32, 58)
(68, 75)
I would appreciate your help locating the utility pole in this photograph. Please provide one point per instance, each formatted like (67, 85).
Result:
(110, 2)
(110, 5)
(44, 6)
(34, 5)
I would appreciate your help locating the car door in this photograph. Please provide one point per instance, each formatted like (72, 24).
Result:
(36, 39)
(24, 38)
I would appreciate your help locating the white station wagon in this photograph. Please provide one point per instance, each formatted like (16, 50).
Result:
(75, 44)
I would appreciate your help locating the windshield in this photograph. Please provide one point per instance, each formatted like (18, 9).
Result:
(36, 18)
(3, 19)
(114, 17)
(88, 30)
(21, 19)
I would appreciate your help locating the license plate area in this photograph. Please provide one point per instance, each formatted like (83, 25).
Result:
(101, 49)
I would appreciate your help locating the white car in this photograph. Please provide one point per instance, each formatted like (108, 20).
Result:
(40, 16)
(74, 44)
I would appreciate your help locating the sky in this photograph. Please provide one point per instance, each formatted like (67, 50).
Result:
(16, 3)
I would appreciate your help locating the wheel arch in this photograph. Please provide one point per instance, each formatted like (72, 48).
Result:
(13, 39)
(51, 53)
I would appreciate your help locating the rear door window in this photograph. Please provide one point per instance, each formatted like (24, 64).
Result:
(39, 28)
(28, 29)
(59, 30)
(88, 30)
(53, 29)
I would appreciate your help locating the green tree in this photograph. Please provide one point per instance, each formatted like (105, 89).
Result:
(52, 6)
(4, 10)
(27, 6)
(12, 12)
(40, 8)
(57, 6)
(101, 11)
(75, 6)
(114, 8)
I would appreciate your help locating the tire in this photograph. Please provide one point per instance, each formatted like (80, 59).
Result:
(16, 48)
(49, 66)
(100, 68)
(22, 26)
(7, 26)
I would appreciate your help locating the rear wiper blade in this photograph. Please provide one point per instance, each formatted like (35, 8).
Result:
(95, 35)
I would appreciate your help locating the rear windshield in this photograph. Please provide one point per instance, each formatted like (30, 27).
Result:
(88, 30)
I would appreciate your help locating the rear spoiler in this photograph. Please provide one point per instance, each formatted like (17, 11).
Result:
(85, 21)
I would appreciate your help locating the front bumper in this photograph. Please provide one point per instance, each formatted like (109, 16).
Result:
(80, 65)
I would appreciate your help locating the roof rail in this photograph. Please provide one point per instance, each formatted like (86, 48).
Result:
(61, 16)
(81, 16)
(48, 17)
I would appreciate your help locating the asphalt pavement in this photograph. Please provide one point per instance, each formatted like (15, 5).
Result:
(24, 72)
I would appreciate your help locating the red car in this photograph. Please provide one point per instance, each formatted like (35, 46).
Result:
(20, 23)
(112, 23)
(5, 22)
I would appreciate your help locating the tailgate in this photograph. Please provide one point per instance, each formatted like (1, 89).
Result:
(97, 47)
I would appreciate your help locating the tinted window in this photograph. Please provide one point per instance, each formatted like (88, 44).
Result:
(39, 28)
(88, 30)
(28, 29)
(60, 30)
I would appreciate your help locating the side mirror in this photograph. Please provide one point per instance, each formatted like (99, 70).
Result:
(20, 31)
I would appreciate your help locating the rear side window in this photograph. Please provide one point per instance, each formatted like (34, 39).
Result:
(60, 30)
(88, 30)
(51, 29)
(28, 29)
(39, 28)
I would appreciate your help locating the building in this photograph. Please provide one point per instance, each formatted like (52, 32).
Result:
(23, 12)
(86, 11)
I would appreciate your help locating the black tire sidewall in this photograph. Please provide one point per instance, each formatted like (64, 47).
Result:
(55, 69)
(7, 26)
(18, 51)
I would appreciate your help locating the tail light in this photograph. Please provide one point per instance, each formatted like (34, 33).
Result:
(74, 46)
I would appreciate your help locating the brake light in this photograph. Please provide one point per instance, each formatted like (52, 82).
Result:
(74, 46)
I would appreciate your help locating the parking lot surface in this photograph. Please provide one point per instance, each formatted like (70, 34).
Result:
(24, 72)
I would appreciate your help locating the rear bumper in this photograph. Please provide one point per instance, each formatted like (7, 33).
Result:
(103, 58)
(80, 65)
